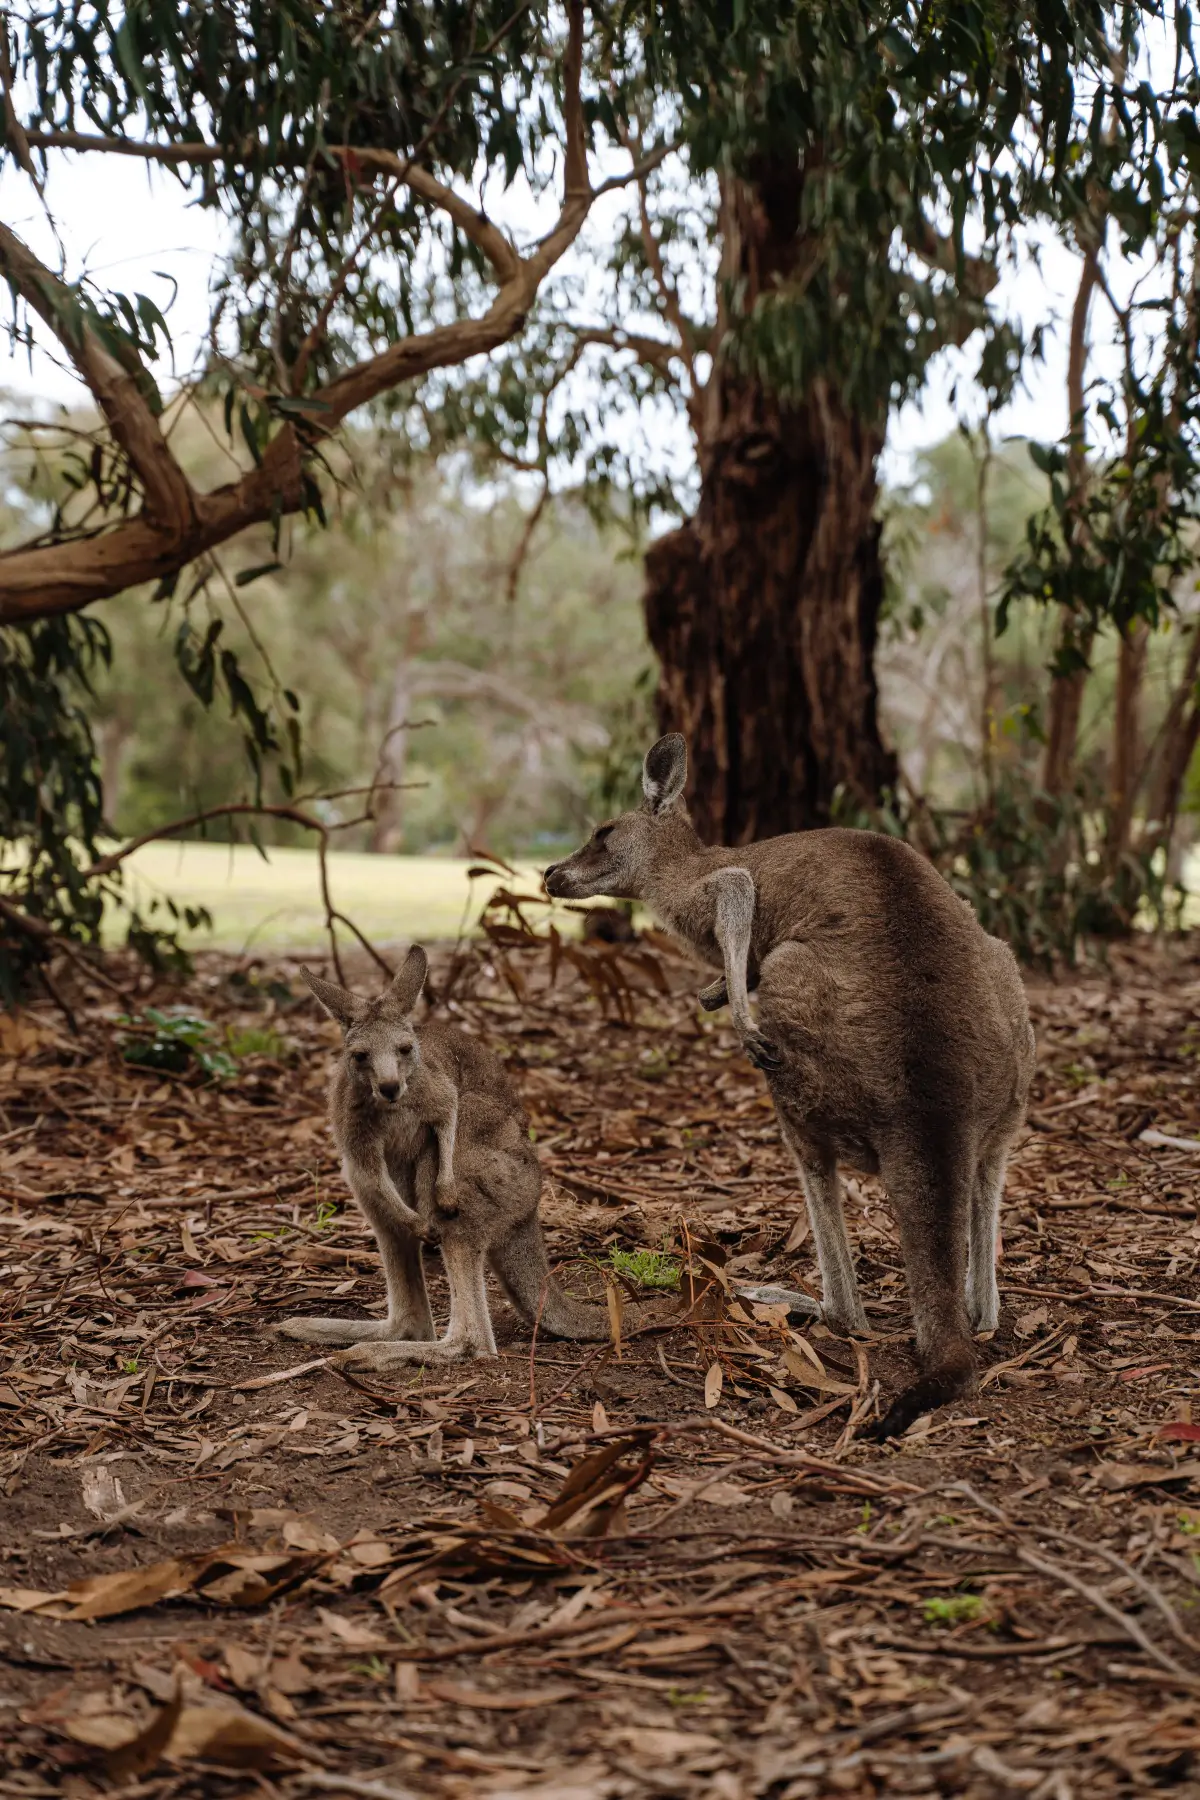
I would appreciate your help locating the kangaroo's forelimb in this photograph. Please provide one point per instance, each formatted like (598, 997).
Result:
(733, 928)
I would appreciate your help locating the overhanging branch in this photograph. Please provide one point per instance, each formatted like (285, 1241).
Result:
(176, 525)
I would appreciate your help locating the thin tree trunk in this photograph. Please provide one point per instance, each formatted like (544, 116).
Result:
(1126, 753)
(764, 608)
(1066, 690)
(1179, 735)
(114, 736)
(387, 828)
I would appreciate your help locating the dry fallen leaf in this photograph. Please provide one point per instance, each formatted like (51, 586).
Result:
(102, 1492)
(351, 1632)
(1117, 1477)
(219, 1732)
(713, 1382)
(245, 1666)
(455, 1693)
(809, 1375)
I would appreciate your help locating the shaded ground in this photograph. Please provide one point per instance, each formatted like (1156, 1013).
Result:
(392, 1610)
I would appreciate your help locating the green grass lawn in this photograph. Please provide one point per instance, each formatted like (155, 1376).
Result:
(276, 905)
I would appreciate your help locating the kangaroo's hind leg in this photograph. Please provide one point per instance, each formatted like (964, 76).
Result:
(931, 1186)
(983, 1296)
(408, 1314)
(841, 1303)
(470, 1331)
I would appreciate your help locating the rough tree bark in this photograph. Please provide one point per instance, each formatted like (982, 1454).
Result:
(1067, 689)
(763, 608)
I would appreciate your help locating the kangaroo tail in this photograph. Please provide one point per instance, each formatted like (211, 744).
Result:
(952, 1376)
(523, 1268)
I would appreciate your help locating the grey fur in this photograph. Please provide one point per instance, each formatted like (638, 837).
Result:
(893, 1031)
(435, 1149)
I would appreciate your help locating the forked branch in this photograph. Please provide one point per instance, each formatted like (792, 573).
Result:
(176, 524)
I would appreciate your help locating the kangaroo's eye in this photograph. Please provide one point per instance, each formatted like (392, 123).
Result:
(602, 834)
(360, 1057)
(404, 1049)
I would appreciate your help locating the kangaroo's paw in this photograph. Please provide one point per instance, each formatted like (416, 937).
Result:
(445, 1198)
(715, 995)
(333, 1331)
(762, 1052)
(399, 1352)
(845, 1316)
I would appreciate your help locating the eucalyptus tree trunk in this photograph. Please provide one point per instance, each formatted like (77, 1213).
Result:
(764, 608)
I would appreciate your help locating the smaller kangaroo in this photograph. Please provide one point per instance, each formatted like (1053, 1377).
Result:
(893, 1032)
(435, 1149)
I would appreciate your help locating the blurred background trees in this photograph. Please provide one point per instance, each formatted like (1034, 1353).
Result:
(416, 546)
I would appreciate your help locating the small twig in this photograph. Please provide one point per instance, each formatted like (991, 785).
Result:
(670, 1374)
(1056, 1572)
(353, 1784)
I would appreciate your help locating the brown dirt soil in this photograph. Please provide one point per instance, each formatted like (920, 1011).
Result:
(370, 1589)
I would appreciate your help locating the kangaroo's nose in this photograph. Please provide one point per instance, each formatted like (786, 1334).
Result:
(389, 1089)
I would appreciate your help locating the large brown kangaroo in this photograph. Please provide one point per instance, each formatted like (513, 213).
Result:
(893, 1032)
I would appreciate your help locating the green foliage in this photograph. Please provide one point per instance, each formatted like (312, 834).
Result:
(1035, 871)
(51, 806)
(959, 1609)
(511, 713)
(1120, 551)
(256, 1040)
(276, 90)
(174, 1041)
(648, 1268)
(1034, 868)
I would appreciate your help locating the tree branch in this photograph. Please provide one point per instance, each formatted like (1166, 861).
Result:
(169, 499)
(176, 525)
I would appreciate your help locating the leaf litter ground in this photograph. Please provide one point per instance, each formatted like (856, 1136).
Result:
(664, 1566)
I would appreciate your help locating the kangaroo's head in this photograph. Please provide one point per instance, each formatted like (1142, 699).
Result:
(623, 856)
(379, 1045)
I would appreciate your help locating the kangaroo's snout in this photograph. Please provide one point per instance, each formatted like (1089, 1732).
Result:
(549, 876)
(389, 1090)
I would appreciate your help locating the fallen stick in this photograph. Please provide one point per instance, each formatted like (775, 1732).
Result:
(1054, 1571)
(590, 1621)
(1056, 1646)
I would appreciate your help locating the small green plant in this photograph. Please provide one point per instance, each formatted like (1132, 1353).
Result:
(129, 1366)
(864, 1523)
(173, 1042)
(677, 1697)
(256, 1040)
(327, 1212)
(375, 1669)
(648, 1268)
(957, 1610)
(1189, 1523)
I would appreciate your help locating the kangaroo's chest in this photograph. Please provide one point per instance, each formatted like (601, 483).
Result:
(409, 1136)
(691, 918)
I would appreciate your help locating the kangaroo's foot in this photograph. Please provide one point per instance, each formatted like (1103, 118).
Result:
(847, 1318)
(398, 1352)
(714, 996)
(983, 1302)
(345, 1331)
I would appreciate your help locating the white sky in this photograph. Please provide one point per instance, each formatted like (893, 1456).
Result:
(130, 226)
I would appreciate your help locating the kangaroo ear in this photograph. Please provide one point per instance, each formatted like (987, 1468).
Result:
(339, 1002)
(664, 772)
(405, 990)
